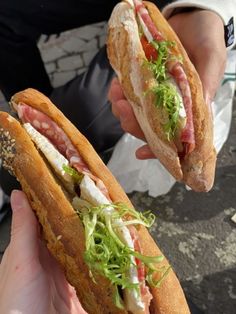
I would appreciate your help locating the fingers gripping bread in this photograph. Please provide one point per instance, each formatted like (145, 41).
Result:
(62, 227)
(127, 57)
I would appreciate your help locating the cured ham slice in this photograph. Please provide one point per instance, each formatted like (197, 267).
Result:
(144, 15)
(44, 125)
(175, 69)
(144, 289)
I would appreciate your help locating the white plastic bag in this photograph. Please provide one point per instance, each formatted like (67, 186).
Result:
(150, 175)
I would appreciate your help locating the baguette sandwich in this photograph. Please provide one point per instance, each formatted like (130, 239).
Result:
(88, 222)
(164, 90)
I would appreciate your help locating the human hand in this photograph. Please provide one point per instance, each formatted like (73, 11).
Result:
(31, 279)
(124, 112)
(202, 34)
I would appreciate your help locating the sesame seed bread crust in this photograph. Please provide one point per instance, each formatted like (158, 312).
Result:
(198, 168)
(168, 299)
(62, 227)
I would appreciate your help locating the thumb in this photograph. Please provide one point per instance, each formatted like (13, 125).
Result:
(211, 70)
(24, 228)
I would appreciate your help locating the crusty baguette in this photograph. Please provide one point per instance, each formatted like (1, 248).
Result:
(127, 57)
(63, 230)
(62, 227)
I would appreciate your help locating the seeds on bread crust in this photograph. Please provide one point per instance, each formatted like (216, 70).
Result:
(7, 150)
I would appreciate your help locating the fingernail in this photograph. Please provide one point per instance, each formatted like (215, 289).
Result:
(209, 101)
(115, 81)
(17, 200)
(123, 116)
(144, 152)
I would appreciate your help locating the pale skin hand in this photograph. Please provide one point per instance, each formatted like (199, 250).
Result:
(202, 34)
(31, 279)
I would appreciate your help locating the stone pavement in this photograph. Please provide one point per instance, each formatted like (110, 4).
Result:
(194, 230)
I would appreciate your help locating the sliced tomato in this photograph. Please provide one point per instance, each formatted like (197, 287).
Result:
(150, 52)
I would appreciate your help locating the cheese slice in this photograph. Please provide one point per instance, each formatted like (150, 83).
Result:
(53, 156)
(92, 194)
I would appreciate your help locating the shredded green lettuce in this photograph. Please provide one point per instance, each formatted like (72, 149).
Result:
(158, 66)
(166, 97)
(105, 252)
(76, 176)
(165, 93)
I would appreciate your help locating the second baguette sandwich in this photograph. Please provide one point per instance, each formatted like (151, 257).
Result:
(164, 90)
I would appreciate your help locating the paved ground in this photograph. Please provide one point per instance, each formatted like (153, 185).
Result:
(197, 234)
(195, 231)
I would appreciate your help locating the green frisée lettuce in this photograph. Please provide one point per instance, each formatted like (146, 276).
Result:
(166, 97)
(107, 250)
(106, 254)
(165, 92)
(76, 176)
(158, 66)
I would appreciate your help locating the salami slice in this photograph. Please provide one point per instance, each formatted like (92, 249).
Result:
(175, 69)
(145, 292)
(44, 125)
(144, 15)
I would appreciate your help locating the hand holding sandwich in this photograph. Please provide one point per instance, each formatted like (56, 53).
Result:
(31, 279)
(202, 34)
(88, 222)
